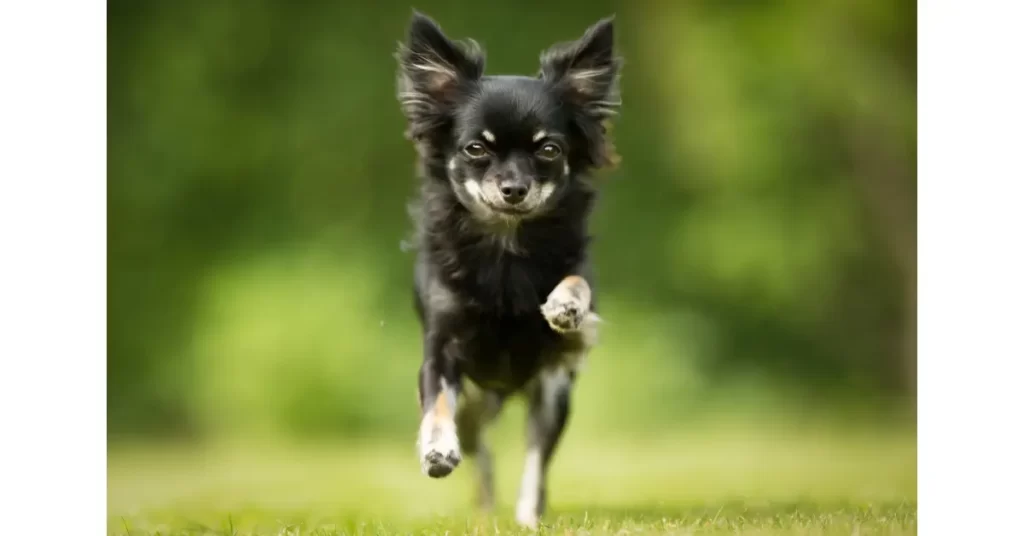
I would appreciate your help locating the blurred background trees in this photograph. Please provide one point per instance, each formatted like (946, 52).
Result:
(757, 243)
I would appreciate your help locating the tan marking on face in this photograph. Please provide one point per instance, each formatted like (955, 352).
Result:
(546, 190)
(473, 188)
(539, 135)
(488, 135)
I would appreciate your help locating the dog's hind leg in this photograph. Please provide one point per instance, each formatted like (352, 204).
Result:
(548, 402)
(478, 408)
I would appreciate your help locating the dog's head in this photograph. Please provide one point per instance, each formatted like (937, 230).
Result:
(508, 146)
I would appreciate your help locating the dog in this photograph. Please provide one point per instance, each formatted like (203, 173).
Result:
(503, 285)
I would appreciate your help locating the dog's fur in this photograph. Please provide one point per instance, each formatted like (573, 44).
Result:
(503, 284)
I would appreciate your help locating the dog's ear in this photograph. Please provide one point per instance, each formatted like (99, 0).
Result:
(433, 71)
(586, 71)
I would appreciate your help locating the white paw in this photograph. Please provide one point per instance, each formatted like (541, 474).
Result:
(439, 448)
(526, 516)
(564, 312)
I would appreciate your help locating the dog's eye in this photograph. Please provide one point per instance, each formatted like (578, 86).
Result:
(475, 150)
(549, 151)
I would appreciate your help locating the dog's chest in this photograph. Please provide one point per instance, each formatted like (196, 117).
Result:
(503, 283)
(503, 354)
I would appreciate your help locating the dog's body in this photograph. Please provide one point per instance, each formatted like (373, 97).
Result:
(503, 284)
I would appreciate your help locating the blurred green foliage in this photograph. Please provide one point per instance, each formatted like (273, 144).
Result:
(757, 243)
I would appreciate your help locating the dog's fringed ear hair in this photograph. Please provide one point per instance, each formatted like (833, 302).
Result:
(586, 74)
(433, 71)
(587, 71)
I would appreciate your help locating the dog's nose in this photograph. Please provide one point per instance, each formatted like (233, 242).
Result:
(512, 191)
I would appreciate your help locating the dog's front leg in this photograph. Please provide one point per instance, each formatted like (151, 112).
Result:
(568, 312)
(438, 442)
(568, 309)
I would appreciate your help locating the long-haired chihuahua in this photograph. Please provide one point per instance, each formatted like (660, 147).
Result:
(503, 284)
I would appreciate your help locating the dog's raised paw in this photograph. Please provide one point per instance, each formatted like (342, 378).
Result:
(563, 314)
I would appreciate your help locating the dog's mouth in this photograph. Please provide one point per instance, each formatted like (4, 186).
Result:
(487, 202)
(509, 210)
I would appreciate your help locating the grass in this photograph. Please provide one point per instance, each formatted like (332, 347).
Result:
(739, 482)
(727, 519)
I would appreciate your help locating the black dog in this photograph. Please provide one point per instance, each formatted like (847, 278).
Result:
(503, 284)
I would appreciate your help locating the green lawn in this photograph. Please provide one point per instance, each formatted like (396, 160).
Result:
(720, 483)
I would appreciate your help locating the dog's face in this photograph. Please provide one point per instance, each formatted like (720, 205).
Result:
(508, 145)
(509, 149)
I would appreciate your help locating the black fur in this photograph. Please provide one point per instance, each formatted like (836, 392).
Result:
(496, 335)
(479, 298)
